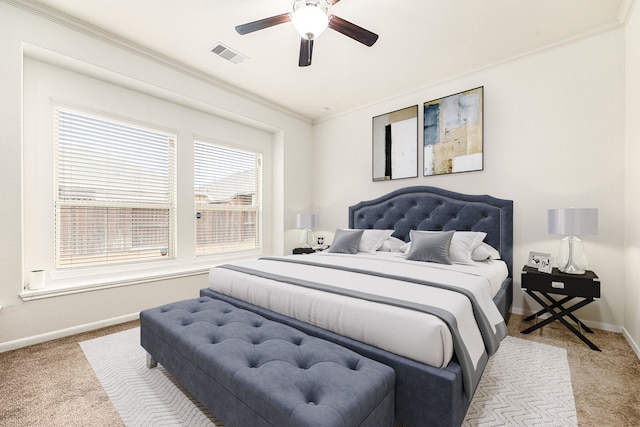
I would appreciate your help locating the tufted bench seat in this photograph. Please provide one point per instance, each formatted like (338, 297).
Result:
(254, 372)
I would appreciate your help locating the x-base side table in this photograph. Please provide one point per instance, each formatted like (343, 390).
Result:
(538, 284)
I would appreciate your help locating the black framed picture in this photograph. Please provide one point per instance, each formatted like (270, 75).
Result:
(395, 145)
(453, 133)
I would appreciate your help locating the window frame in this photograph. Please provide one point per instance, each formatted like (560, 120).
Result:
(108, 205)
(47, 84)
(256, 208)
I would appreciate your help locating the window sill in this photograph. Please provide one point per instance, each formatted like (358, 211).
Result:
(59, 289)
(67, 283)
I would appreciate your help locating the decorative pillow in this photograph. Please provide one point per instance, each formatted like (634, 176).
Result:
(484, 252)
(432, 247)
(392, 244)
(346, 241)
(463, 244)
(372, 240)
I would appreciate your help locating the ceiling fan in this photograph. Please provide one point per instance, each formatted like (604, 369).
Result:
(310, 18)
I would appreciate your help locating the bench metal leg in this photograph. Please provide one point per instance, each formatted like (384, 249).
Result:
(151, 362)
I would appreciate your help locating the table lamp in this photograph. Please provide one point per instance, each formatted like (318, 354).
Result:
(572, 222)
(306, 221)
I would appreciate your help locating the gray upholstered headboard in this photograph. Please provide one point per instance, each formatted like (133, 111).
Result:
(431, 208)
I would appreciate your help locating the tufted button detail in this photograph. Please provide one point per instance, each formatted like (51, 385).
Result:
(304, 363)
(353, 364)
(275, 353)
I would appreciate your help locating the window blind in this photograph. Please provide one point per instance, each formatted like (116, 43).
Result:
(228, 199)
(115, 191)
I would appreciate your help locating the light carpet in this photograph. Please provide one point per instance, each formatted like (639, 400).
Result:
(525, 384)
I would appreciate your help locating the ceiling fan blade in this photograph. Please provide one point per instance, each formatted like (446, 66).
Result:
(261, 24)
(352, 30)
(306, 50)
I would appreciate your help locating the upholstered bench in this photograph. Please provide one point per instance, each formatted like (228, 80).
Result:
(253, 372)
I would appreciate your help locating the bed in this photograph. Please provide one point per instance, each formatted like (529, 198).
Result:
(432, 390)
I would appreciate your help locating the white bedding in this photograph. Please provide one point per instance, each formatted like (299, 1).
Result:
(413, 334)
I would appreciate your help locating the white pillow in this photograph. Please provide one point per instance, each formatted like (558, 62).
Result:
(392, 244)
(372, 240)
(463, 245)
(484, 252)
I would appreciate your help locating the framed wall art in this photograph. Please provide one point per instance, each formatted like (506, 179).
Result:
(395, 145)
(453, 133)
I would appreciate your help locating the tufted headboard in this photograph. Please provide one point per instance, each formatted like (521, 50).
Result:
(435, 209)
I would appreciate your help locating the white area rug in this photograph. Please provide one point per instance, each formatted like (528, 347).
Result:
(525, 384)
(143, 397)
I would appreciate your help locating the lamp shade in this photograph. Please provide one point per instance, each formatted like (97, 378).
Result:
(573, 221)
(306, 220)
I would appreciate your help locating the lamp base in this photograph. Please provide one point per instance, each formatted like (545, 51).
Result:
(571, 258)
(305, 238)
(572, 269)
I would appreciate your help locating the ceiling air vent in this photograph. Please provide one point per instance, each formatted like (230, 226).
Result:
(228, 53)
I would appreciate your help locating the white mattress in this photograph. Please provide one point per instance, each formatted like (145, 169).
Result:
(413, 334)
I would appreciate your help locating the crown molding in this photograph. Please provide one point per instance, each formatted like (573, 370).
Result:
(626, 8)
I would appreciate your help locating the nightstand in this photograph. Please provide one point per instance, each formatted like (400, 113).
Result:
(537, 284)
(303, 251)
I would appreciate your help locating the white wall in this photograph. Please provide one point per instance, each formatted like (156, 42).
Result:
(553, 137)
(632, 178)
(100, 57)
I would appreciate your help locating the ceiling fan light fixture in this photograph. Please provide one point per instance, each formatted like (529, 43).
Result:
(309, 18)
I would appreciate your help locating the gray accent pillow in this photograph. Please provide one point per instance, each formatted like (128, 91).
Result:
(432, 247)
(346, 241)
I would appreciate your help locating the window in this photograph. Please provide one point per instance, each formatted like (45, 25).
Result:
(228, 199)
(115, 191)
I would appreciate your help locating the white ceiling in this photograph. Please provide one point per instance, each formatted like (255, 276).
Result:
(421, 42)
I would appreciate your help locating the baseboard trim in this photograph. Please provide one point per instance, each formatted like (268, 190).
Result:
(634, 346)
(61, 333)
(597, 325)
